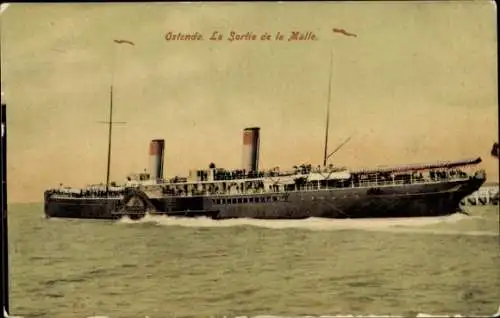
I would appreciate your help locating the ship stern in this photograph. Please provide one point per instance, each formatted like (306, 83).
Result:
(46, 202)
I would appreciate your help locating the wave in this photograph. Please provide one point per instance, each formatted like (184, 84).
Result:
(397, 225)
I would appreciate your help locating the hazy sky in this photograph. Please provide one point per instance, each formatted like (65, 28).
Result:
(418, 84)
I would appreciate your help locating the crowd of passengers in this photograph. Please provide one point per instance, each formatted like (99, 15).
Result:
(443, 174)
(434, 175)
(219, 188)
(86, 193)
(221, 174)
(258, 186)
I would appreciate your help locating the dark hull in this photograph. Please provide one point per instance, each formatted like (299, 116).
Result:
(410, 200)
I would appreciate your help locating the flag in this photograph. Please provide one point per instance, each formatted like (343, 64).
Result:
(124, 41)
(495, 150)
(344, 32)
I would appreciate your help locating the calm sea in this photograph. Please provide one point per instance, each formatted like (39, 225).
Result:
(163, 267)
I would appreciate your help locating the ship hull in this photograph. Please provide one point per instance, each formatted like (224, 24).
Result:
(389, 201)
(379, 202)
(81, 208)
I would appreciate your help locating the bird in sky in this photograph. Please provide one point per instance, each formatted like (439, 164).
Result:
(344, 32)
(125, 41)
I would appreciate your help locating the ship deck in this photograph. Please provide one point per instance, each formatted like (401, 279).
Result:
(275, 190)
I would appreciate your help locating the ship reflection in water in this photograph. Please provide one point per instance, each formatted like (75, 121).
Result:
(305, 191)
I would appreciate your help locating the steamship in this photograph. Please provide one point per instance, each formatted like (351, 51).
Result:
(301, 192)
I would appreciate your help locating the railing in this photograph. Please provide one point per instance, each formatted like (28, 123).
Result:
(275, 188)
(55, 193)
(311, 188)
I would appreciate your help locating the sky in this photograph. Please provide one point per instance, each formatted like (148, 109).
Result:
(417, 84)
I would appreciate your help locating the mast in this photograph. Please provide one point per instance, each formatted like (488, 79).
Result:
(109, 136)
(328, 111)
(110, 122)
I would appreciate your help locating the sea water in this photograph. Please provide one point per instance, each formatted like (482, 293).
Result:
(169, 267)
